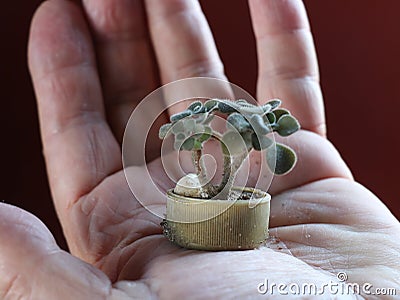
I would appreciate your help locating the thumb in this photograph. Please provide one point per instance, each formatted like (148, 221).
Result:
(32, 266)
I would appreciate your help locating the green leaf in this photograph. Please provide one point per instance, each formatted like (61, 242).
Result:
(180, 136)
(227, 107)
(210, 105)
(205, 135)
(207, 129)
(260, 142)
(274, 103)
(177, 145)
(246, 136)
(280, 112)
(180, 116)
(199, 118)
(195, 106)
(197, 145)
(189, 124)
(164, 130)
(269, 118)
(257, 122)
(208, 119)
(251, 109)
(266, 108)
(281, 159)
(188, 144)
(199, 128)
(234, 142)
(287, 125)
(238, 122)
(178, 127)
(242, 102)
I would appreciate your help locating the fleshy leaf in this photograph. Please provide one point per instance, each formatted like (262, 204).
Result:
(280, 112)
(199, 110)
(180, 116)
(258, 125)
(200, 117)
(188, 144)
(205, 135)
(197, 145)
(180, 136)
(281, 159)
(246, 136)
(269, 118)
(238, 122)
(266, 108)
(260, 142)
(287, 125)
(195, 106)
(227, 107)
(274, 103)
(189, 124)
(199, 128)
(251, 109)
(177, 145)
(178, 127)
(207, 129)
(208, 119)
(234, 142)
(210, 105)
(242, 102)
(164, 130)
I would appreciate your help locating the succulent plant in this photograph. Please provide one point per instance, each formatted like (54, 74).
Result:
(247, 128)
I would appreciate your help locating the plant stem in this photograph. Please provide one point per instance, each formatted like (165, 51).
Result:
(227, 168)
(199, 166)
(231, 168)
(201, 172)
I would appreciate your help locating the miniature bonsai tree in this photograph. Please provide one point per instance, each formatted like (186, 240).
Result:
(247, 129)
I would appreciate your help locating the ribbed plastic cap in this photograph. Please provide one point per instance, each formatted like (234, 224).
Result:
(234, 225)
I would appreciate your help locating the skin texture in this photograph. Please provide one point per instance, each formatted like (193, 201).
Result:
(91, 64)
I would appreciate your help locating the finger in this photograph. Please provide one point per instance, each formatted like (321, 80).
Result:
(317, 159)
(288, 66)
(331, 201)
(124, 55)
(27, 248)
(183, 43)
(79, 148)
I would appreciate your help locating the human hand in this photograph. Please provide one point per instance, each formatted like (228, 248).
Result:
(89, 73)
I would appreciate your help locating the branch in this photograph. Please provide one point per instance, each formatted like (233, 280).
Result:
(231, 168)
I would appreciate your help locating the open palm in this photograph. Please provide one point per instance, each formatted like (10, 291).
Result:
(91, 64)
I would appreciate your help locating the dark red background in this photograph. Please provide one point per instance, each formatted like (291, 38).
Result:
(358, 44)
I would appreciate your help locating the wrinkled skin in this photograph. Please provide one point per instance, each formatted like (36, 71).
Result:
(91, 63)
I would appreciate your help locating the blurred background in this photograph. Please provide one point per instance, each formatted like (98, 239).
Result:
(358, 45)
